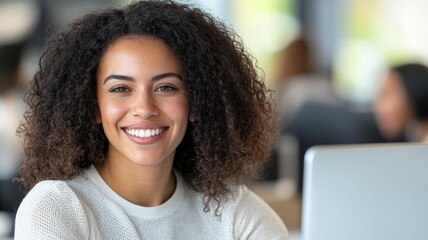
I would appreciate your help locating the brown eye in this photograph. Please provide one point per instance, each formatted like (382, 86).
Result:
(119, 89)
(166, 88)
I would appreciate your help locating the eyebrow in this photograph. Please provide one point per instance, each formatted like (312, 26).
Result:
(153, 79)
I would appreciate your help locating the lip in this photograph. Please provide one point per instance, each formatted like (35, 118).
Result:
(144, 126)
(149, 140)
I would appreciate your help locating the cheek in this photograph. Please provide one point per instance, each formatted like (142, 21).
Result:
(401, 107)
(389, 107)
(110, 111)
(178, 111)
(394, 113)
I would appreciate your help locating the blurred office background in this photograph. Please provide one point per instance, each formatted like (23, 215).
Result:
(324, 58)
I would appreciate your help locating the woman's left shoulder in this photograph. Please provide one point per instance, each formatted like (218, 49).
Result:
(253, 218)
(241, 194)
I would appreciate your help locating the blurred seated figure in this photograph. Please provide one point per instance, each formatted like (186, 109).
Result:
(297, 82)
(402, 104)
(312, 114)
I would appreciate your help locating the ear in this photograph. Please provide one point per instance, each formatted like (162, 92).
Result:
(191, 117)
(98, 119)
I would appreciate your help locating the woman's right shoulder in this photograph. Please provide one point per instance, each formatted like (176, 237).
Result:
(56, 191)
(49, 211)
(45, 194)
(48, 189)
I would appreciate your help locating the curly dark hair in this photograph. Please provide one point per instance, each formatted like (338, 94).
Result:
(234, 116)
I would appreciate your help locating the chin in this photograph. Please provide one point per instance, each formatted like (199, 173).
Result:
(149, 161)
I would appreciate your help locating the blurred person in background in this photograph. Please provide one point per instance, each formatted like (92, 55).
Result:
(297, 82)
(402, 104)
(18, 21)
(312, 114)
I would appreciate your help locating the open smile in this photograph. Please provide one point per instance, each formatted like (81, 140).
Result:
(145, 133)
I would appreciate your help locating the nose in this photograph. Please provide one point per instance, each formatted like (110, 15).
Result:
(144, 106)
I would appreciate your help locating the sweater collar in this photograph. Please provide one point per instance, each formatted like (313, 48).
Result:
(168, 207)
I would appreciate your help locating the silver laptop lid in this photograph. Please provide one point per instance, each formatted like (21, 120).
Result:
(377, 191)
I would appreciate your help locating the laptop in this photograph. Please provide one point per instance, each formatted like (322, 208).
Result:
(365, 192)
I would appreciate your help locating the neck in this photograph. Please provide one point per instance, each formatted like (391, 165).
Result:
(145, 186)
(424, 131)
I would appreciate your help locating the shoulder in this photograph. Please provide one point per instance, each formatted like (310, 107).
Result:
(50, 194)
(50, 209)
(44, 194)
(253, 218)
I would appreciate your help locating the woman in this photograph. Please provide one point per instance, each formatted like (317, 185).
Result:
(142, 123)
(402, 105)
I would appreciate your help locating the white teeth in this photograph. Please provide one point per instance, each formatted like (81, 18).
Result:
(144, 133)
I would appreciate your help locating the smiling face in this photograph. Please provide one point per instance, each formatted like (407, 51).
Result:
(142, 100)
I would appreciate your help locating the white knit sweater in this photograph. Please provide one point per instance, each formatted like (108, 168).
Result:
(87, 208)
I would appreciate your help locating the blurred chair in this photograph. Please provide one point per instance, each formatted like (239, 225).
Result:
(324, 124)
